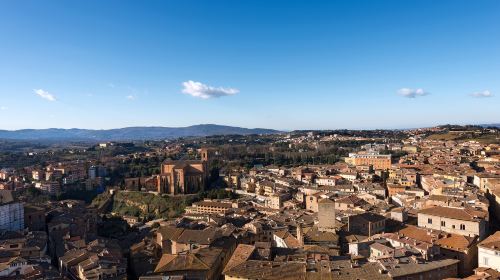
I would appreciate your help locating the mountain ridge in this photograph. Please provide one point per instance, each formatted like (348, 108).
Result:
(130, 133)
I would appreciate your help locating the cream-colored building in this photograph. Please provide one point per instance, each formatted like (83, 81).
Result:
(463, 221)
(209, 207)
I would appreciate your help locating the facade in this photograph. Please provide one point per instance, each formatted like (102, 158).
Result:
(311, 202)
(366, 224)
(34, 217)
(399, 214)
(394, 189)
(11, 212)
(183, 177)
(489, 252)
(327, 181)
(13, 267)
(51, 188)
(209, 207)
(96, 171)
(463, 221)
(326, 215)
(275, 201)
(376, 160)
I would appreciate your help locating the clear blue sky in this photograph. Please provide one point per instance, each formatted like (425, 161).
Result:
(281, 64)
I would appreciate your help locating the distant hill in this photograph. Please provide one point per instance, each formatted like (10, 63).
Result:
(130, 133)
(497, 125)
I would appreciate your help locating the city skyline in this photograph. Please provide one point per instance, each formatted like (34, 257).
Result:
(314, 65)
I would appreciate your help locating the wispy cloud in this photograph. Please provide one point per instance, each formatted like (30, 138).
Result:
(482, 94)
(130, 97)
(45, 94)
(203, 91)
(3, 108)
(412, 93)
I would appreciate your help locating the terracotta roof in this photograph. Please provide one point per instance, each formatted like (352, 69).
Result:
(492, 242)
(418, 234)
(241, 254)
(202, 259)
(464, 214)
(290, 240)
(456, 242)
(352, 199)
(269, 270)
(368, 217)
(314, 235)
(445, 240)
(170, 232)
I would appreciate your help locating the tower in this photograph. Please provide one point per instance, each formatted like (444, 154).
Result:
(204, 154)
(326, 215)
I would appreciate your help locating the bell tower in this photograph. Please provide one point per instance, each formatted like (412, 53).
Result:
(204, 154)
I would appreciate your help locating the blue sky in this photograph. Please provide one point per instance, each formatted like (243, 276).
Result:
(274, 64)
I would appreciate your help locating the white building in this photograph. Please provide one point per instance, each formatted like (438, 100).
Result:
(489, 252)
(14, 267)
(11, 212)
(327, 181)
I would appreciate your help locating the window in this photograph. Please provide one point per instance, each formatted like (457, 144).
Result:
(485, 260)
(429, 221)
(462, 227)
(443, 223)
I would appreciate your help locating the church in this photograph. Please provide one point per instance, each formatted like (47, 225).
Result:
(184, 176)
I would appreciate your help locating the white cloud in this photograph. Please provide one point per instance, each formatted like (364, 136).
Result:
(3, 108)
(44, 94)
(412, 93)
(203, 91)
(481, 94)
(130, 97)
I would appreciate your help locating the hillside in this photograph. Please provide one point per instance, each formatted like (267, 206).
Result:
(482, 136)
(129, 133)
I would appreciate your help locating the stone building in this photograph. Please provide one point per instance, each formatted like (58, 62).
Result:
(184, 176)
(326, 215)
(366, 224)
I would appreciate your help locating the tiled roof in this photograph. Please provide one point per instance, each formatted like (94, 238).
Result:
(492, 242)
(269, 270)
(456, 242)
(464, 214)
(201, 259)
(241, 254)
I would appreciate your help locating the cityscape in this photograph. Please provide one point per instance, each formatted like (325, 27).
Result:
(249, 140)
